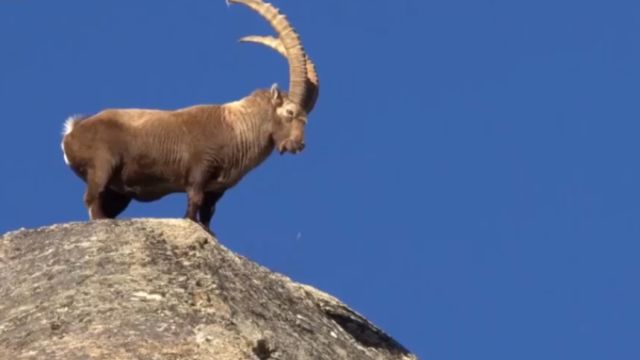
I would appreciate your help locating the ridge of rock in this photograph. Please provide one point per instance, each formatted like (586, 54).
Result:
(164, 289)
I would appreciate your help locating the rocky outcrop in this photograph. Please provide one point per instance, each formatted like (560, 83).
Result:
(164, 289)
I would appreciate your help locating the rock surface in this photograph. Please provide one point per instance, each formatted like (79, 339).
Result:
(164, 289)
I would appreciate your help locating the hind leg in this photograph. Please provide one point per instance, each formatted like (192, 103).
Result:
(97, 178)
(113, 203)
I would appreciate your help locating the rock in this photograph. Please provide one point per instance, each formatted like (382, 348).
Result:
(164, 289)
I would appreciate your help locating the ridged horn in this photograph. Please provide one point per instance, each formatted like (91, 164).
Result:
(298, 91)
(313, 81)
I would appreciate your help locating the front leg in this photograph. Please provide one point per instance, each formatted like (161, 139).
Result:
(208, 207)
(195, 196)
(195, 192)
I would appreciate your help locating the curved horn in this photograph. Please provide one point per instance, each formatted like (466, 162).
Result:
(298, 91)
(313, 81)
(268, 41)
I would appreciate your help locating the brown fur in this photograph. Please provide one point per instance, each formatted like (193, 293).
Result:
(201, 150)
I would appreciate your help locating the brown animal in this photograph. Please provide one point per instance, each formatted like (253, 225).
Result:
(126, 154)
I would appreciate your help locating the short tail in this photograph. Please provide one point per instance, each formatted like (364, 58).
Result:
(71, 123)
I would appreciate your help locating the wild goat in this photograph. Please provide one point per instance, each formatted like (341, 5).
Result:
(125, 154)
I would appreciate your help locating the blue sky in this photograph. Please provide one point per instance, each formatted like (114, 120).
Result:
(470, 182)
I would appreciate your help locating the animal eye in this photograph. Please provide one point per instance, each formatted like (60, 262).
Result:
(289, 112)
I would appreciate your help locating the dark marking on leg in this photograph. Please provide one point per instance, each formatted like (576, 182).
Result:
(113, 203)
(208, 207)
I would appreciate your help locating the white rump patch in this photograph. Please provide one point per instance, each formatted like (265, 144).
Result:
(66, 129)
(66, 159)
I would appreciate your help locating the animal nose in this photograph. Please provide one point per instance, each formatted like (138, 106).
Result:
(294, 146)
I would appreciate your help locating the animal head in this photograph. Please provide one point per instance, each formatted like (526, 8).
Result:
(291, 109)
(288, 124)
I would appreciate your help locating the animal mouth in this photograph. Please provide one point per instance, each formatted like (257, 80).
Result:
(291, 146)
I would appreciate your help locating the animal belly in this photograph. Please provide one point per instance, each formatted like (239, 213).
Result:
(152, 193)
(146, 187)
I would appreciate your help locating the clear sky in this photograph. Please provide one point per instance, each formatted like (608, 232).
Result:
(471, 178)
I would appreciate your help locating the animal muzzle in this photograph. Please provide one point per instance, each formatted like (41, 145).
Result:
(291, 145)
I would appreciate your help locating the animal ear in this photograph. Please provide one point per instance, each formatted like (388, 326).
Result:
(276, 95)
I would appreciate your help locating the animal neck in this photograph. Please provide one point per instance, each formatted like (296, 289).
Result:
(252, 142)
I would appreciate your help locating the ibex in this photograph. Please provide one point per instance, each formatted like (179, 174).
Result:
(203, 150)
